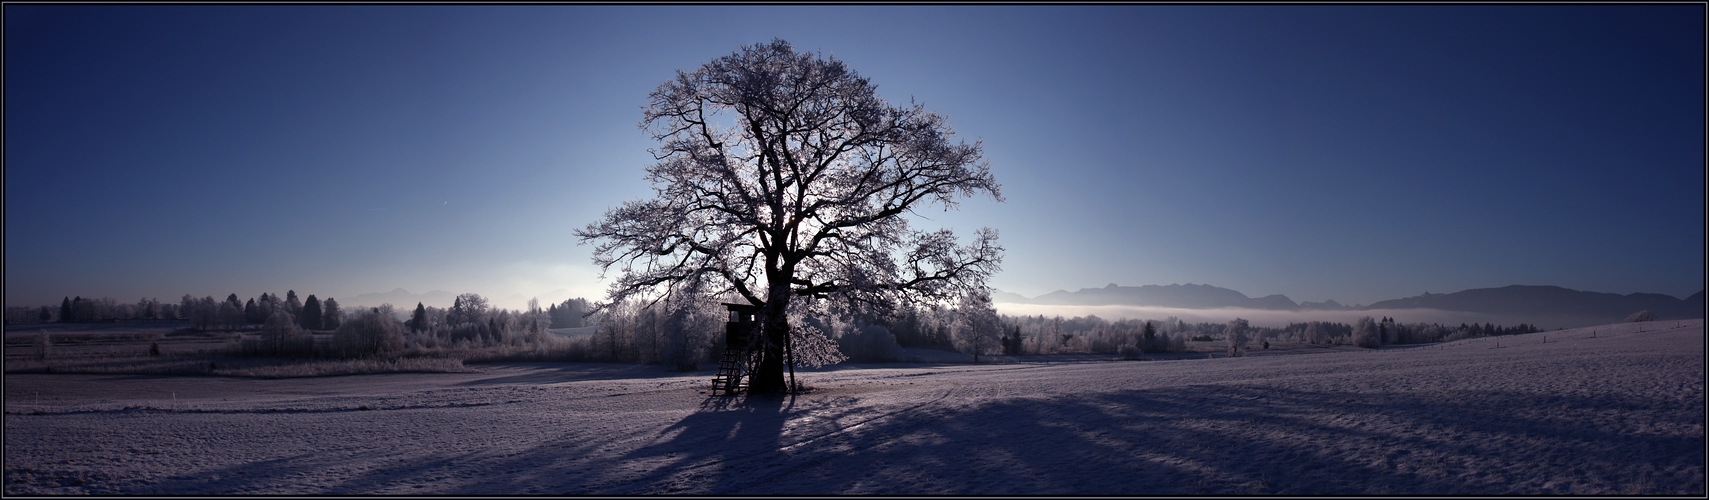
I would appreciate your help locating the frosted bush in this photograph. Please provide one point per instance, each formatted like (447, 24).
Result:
(870, 344)
(1365, 333)
(812, 349)
(1641, 316)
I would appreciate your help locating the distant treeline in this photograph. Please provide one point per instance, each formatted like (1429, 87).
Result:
(684, 333)
(207, 313)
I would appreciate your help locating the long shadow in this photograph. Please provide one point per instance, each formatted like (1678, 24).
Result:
(717, 449)
(714, 450)
(1191, 440)
(1240, 440)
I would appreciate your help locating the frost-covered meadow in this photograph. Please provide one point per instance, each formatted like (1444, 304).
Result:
(1618, 413)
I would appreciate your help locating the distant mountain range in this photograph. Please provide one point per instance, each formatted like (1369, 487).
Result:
(1552, 301)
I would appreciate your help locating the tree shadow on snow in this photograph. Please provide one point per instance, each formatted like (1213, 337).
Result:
(1242, 440)
(1189, 440)
(1206, 439)
(712, 450)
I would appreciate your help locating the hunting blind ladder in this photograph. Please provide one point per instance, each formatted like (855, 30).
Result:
(736, 366)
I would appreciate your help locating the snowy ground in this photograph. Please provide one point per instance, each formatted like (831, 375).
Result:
(1620, 413)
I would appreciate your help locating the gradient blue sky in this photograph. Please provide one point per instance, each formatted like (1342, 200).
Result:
(1355, 153)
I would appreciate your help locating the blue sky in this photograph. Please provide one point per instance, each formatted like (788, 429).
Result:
(1355, 153)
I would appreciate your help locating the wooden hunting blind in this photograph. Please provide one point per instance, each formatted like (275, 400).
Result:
(737, 363)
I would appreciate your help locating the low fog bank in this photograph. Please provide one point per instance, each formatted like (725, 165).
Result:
(1274, 318)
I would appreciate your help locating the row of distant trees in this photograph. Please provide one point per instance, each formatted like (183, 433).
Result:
(286, 326)
(207, 313)
(471, 320)
(204, 313)
(684, 333)
(974, 328)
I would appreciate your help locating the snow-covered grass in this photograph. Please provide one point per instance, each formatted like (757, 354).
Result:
(1620, 413)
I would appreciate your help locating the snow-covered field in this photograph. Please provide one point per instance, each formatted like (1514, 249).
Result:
(1620, 413)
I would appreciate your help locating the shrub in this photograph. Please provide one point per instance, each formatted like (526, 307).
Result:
(1641, 316)
(1130, 351)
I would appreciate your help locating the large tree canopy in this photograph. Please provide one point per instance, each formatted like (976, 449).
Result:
(781, 174)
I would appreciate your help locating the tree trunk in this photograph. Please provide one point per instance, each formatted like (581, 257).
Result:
(768, 376)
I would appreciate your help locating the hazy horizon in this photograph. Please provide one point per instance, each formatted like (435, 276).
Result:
(1347, 153)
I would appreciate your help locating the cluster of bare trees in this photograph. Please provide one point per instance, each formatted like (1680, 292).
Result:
(1094, 335)
(207, 313)
(680, 332)
(280, 336)
(471, 322)
(1373, 332)
(569, 314)
(82, 310)
(27, 314)
(204, 313)
(1090, 335)
(365, 332)
(976, 329)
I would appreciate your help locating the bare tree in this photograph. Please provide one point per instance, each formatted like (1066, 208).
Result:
(976, 328)
(1237, 336)
(781, 174)
(468, 308)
